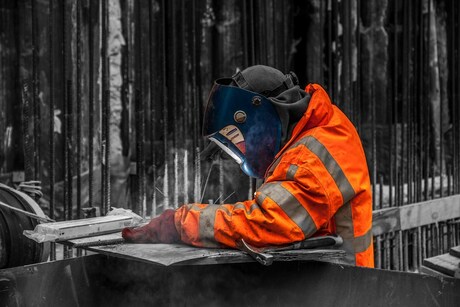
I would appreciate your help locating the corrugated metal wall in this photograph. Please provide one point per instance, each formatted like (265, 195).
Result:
(102, 100)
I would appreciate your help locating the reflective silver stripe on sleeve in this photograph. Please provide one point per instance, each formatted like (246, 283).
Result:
(291, 206)
(344, 222)
(356, 245)
(207, 219)
(260, 198)
(363, 242)
(194, 207)
(242, 206)
(225, 209)
(291, 172)
(344, 228)
(331, 165)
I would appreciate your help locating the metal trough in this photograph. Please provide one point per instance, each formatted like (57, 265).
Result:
(100, 280)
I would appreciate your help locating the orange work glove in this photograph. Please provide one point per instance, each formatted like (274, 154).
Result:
(160, 229)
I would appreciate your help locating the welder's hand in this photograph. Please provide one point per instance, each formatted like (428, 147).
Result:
(160, 229)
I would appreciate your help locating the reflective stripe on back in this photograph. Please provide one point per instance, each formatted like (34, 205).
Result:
(344, 228)
(290, 205)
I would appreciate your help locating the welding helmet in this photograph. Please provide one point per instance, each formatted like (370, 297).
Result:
(241, 119)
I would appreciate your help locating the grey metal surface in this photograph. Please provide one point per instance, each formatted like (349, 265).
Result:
(105, 281)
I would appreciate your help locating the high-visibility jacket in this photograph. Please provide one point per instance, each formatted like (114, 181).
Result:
(317, 185)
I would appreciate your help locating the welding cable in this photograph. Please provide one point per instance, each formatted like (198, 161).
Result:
(29, 214)
(31, 188)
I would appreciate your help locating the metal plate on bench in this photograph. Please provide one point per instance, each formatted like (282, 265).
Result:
(171, 254)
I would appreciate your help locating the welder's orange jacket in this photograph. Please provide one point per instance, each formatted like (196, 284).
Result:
(317, 185)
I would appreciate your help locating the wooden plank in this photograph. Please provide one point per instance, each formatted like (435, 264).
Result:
(455, 251)
(385, 220)
(415, 215)
(431, 272)
(445, 263)
(430, 212)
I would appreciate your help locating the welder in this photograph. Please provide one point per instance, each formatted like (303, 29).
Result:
(309, 155)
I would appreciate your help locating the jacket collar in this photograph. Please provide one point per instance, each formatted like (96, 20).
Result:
(318, 113)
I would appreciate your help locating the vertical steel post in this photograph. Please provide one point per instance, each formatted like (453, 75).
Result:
(79, 106)
(153, 100)
(52, 151)
(105, 104)
(68, 149)
(165, 111)
(139, 113)
(91, 82)
(35, 94)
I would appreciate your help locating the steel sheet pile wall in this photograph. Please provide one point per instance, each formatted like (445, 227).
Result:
(105, 108)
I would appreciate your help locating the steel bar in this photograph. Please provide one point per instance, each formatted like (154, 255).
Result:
(393, 150)
(91, 111)
(336, 59)
(125, 75)
(164, 90)
(52, 151)
(139, 114)
(66, 90)
(346, 75)
(140, 154)
(184, 111)
(405, 250)
(377, 251)
(401, 250)
(374, 147)
(105, 104)
(405, 78)
(455, 95)
(27, 131)
(35, 92)
(409, 106)
(68, 151)
(329, 49)
(153, 100)
(173, 25)
(79, 106)
(322, 18)
(196, 103)
(252, 32)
